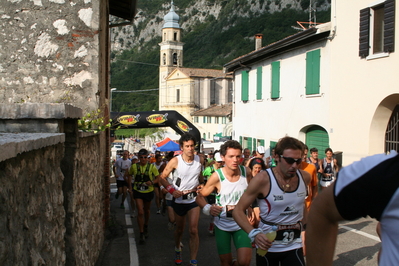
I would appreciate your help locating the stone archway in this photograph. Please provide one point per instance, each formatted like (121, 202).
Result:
(379, 123)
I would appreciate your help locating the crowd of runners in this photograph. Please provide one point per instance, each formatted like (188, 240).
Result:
(260, 204)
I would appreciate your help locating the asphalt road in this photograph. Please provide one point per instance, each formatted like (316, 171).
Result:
(357, 243)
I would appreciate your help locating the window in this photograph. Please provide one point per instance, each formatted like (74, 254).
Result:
(216, 120)
(259, 83)
(164, 59)
(223, 120)
(244, 86)
(204, 119)
(196, 119)
(275, 93)
(313, 72)
(209, 119)
(178, 95)
(175, 36)
(377, 29)
(174, 59)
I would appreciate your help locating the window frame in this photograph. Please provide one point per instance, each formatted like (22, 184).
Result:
(367, 34)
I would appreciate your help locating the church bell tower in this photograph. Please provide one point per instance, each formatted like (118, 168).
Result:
(171, 52)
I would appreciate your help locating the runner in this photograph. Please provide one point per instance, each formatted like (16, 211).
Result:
(281, 193)
(230, 183)
(145, 175)
(184, 191)
(120, 167)
(211, 198)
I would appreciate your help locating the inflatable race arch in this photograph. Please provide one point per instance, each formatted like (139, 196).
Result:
(149, 119)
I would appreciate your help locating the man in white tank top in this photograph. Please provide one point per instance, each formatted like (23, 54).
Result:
(230, 182)
(281, 193)
(188, 180)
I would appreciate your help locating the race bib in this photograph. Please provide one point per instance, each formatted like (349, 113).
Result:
(229, 210)
(142, 187)
(286, 234)
(190, 195)
(327, 178)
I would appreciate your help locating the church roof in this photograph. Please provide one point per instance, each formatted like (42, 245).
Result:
(215, 110)
(171, 19)
(201, 72)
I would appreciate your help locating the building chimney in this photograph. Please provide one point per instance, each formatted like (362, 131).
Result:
(258, 41)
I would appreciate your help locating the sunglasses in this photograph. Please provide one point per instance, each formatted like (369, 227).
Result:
(290, 160)
(143, 157)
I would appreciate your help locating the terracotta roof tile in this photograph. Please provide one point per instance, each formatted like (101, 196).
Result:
(215, 110)
(203, 73)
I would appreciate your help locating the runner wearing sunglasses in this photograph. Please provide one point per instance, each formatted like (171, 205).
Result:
(281, 193)
(145, 175)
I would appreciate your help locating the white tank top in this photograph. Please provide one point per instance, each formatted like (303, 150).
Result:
(158, 166)
(188, 174)
(228, 196)
(121, 167)
(285, 210)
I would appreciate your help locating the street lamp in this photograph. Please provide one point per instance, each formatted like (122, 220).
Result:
(110, 104)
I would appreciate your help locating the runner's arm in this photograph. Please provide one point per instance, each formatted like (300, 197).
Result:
(213, 182)
(322, 229)
(252, 192)
(170, 166)
(307, 179)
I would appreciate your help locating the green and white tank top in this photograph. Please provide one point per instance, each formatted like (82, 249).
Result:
(228, 196)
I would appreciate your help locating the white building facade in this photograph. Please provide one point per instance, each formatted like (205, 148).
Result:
(330, 86)
(281, 89)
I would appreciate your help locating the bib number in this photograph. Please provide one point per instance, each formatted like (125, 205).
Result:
(143, 188)
(288, 233)
(190, 195)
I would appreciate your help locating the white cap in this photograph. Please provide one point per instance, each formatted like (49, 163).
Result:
(217, 157)
(260, 149)
(134, 157)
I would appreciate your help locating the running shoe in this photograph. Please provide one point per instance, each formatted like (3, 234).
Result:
(159, 211)
(142, 239)
(122, 206)
(193, 262)
(171, 226)
(178, 257)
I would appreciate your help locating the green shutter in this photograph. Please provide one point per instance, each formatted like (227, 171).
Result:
(259, 83)
(262, 142)
(275, 93)
(249, 143)
(241, 140)
(272, 145)
(317, 137)
(313, 72)
(254, 143)
(244, 86)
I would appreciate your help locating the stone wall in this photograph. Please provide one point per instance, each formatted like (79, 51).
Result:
(32, 215)
(52, 187)
(84, 203)
(51, 52)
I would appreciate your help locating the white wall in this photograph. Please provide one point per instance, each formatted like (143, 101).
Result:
(273, 119)
(359, 86)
